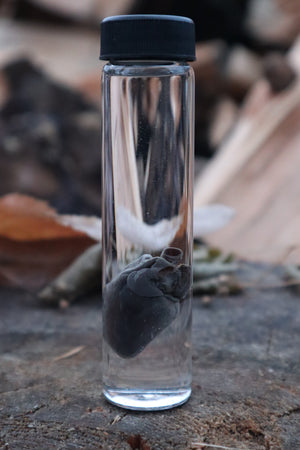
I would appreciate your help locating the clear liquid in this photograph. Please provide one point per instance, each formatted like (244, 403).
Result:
(147, 206)
(160, 376)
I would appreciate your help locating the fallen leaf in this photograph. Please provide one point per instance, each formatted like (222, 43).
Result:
(35, 243)
(91, 226)
(155, 237)
(210, 218)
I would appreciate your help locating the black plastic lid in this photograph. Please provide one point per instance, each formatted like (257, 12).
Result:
(148, 37)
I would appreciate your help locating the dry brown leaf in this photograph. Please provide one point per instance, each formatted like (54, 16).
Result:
(35, 245)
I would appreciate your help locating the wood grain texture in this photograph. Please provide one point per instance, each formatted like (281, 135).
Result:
(245, 378)
(257, 173)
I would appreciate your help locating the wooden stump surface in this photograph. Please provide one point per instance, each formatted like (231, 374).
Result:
(246, 373)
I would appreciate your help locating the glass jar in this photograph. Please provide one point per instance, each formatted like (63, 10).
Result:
(147, 216)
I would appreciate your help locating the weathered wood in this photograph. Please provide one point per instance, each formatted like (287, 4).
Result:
(274, 20)
(256, 173)
(241, 70)
(278, 72)
(67, 54)
(245, 378)
(223, 120)
(89, 11)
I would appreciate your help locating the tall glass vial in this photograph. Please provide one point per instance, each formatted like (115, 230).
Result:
(147, 209)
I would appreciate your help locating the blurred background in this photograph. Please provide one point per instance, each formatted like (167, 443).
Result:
(247, 142)
(247, 147)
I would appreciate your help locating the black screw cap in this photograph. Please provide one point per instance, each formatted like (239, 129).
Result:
(147, 37)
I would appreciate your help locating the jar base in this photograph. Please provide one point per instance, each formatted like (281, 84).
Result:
(145, 400)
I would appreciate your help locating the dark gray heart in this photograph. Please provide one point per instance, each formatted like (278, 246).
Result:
(141, 302)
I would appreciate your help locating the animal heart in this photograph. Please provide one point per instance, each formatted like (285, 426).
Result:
(143, 300)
